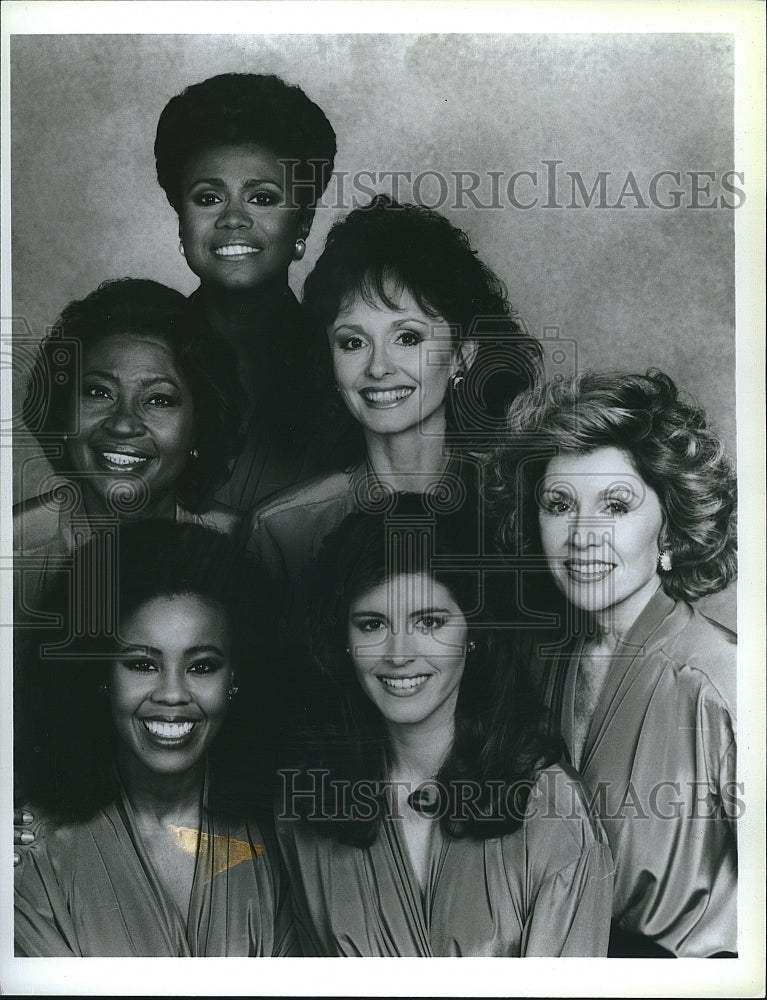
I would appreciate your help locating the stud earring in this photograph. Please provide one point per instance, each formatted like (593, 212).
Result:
(103, 689)
(664, 561)
(233, 691)
(181, 248)
(300, 249)
(194, 453)
(348, 651)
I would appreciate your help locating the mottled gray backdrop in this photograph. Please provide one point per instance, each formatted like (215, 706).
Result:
(627, 287)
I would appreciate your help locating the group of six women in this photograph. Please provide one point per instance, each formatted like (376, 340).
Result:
(327, 602)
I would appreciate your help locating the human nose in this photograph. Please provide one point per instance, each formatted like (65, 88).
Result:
(234, 216)
(586, 532)
(123, 419)
(399, 651)
(379, 362)
(171, 688)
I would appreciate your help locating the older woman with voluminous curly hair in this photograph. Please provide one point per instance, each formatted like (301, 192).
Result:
(626, 495)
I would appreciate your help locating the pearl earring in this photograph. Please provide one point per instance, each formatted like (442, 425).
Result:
(300, 249)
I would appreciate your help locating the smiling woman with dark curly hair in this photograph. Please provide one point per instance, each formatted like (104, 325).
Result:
(626, 494)
(138, 410)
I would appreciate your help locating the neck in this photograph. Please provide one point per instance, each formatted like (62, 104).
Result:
(94, 505)
(418, 752)
(244, 318)
(162, 797)
(412, 460)
(614, 623)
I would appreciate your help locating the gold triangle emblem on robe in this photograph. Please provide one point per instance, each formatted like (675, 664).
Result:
(217, 853)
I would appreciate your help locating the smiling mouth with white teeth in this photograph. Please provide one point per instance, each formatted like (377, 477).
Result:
(384, 398)
(403, 686)
(236, 250)
(121, 461)
(588, 571)
(168, 730)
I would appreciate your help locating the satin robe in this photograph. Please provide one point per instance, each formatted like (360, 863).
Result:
(659, 763)
(90, 889)
(545, 889)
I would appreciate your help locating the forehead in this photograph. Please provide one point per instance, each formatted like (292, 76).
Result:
(236, 162)
(176, 620)
(365, 306)
(131, 350)
(595, 469)
(406, 592)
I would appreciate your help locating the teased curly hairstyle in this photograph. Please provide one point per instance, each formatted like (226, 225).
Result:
(68, 741)
(499, 735)
(236, 108)
(667, 441)
(384, 248)
(138, 305)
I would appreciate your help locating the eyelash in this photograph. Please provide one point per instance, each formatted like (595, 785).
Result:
(434, 622)
(209, 198)
(159, 399)
(345, 344)
(562, 506)
(146, 666)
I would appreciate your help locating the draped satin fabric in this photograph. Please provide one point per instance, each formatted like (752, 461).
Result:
(89, 889)
(543, 890)
(659, 764)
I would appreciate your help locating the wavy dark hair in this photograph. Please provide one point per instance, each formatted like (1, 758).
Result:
(67, 743)
(377, 252)
(235, 108)
(138, 305)
(499, 742)
(666, 439)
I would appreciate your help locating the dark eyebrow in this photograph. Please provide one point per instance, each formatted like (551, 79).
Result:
(430, 611)
(196, 650)
(139, 649)
(249, 183)
(149, 380)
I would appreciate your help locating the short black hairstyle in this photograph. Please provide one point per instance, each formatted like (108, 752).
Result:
(386, 246)
(67, 738)
(236, 108)
(138, 305)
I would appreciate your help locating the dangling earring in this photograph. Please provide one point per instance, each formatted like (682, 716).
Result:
(456, 380)
(233, 691)
(664, 561)
(194, 453)
(471, 648)
(300, 249)
(103, 689)
(181, 248)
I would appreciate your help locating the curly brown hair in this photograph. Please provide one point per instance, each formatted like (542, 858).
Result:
(667, 440)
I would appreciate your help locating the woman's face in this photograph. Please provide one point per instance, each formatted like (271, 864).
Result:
(392, 366)
(170, 683)
(136, 416)
(407, 640)
(237, 219)
(600, 526)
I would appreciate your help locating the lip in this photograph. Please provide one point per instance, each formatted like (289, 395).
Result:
(169, 732)
(386, 399)
(588, 570)
(119, 458)
(236, 251)
(403, 686)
